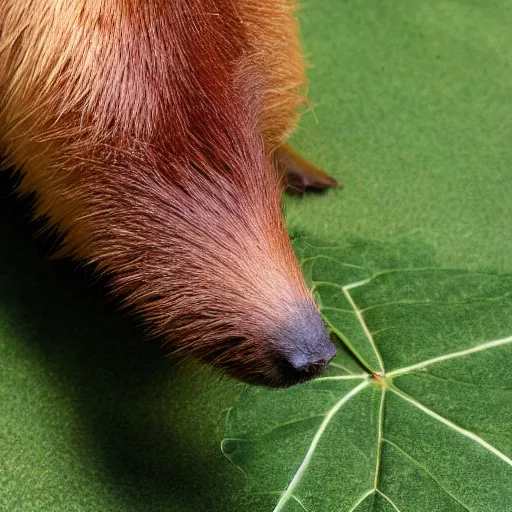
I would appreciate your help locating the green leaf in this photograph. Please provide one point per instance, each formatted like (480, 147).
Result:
(412, 114)
(414, 414)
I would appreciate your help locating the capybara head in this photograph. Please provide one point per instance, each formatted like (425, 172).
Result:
(148, 142)
(216, 274)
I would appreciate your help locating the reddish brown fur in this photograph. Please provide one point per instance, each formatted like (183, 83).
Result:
(146, 131)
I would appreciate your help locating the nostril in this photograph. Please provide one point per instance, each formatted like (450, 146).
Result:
(302, 363)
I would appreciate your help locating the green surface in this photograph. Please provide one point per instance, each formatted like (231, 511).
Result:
(413, 101)
(414, 117)
(430, 433)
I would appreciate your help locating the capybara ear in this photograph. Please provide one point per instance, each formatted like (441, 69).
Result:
(300, 175)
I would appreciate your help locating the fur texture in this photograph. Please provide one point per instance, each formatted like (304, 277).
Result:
(146, 129)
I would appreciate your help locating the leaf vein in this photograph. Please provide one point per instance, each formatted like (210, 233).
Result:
(279, 426)
(309, 454)
(361, 499)
(380, 427)
(461, 353)
(452, 425)
(475, 300)
(463, 382)
(299, 502)
(425, 470)
(342, 377)
(345, 340)
(340, 310)
(322, 257)
(388, 499)
(362, 320)
(341, 367)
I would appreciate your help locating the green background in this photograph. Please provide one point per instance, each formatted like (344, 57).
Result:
(412, 113)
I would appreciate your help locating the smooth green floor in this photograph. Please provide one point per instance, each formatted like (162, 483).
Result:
(414, 108)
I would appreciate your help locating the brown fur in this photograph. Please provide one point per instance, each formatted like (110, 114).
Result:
(146, 127)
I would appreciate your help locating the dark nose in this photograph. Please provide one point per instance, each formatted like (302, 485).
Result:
(305, 343)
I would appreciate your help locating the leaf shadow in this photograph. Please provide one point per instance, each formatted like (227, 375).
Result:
(119, 384)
